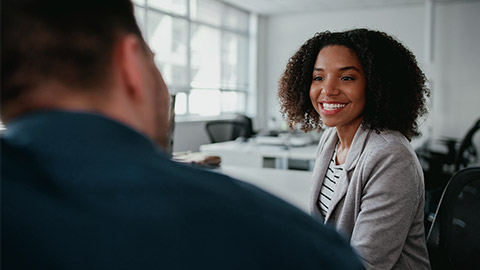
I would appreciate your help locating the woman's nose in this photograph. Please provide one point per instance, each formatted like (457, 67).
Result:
(330, 87)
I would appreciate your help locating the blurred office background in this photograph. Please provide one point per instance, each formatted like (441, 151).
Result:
(226, 57)
(221, 57)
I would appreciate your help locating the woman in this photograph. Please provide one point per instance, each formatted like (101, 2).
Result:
(368, 90)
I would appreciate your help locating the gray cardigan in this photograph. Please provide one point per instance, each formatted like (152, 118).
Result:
(378, 203)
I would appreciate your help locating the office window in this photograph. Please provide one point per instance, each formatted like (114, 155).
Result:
(167, 38)
(202, 49)
(206, 57)
(178, 7)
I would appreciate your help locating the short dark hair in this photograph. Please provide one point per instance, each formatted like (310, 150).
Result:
(396, 88)
(67, 41)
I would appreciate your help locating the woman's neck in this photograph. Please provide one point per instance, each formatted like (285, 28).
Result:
(345, 136)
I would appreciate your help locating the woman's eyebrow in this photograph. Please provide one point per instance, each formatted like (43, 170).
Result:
(341, 69)
(349, 68)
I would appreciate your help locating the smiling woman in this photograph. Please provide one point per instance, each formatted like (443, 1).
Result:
(338, 88)
(368, 90)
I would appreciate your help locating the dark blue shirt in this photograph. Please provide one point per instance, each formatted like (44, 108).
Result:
(81, 191)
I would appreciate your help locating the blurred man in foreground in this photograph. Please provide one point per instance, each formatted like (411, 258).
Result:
(84, 185)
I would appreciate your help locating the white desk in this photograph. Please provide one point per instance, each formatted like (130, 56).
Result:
(290, 185)
(238, 153)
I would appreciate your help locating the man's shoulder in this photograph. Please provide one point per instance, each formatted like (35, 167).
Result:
(170, 207)
(243, 199)
(233, 193)
(276, 224)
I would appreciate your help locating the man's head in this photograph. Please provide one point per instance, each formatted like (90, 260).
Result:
(80, 55)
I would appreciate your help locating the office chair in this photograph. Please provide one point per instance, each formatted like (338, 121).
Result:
(440, 167)
(171, 120)
(467, 152)
(228, 130)
(453, 240)
(248, 121)
(225, 130)
(457, 158)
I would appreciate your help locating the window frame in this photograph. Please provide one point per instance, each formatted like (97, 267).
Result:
(247, 89)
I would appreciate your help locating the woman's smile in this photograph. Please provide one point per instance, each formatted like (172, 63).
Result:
(331, 107)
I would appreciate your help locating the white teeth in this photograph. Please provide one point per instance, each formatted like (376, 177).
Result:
(331, 107)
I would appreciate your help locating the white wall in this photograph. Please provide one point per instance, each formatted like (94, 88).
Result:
(456, 53)
(456, 68)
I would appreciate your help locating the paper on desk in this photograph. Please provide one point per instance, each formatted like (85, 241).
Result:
(196, 158)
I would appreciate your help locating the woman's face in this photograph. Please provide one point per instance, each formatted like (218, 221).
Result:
(337, 91)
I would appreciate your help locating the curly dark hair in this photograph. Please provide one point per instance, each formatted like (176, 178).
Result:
(396, 90)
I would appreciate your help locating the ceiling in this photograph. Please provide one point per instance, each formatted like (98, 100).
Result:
(276, 7)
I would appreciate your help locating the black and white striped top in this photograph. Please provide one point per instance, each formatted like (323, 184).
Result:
(329, 185)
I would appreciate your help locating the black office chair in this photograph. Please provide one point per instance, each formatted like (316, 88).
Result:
(248, 121)
(225, 130)
(228, 130)
(171, 120)
(456, 158)
(438, 168)
(467, 152)
(453, 240)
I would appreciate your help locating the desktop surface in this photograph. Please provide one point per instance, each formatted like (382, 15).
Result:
(292, 186)
(251, 153)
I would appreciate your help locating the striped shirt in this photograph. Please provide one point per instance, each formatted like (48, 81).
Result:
(329, 185)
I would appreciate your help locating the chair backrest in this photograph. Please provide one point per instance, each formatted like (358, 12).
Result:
(171, 121)
(467, 152)
(453, 240)
(225, 130)
(249, 132)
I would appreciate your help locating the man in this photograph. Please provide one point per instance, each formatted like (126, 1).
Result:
(84, 185)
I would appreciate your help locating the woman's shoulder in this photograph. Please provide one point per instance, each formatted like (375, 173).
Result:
(391, 148)
(391, 153)
(388, 139)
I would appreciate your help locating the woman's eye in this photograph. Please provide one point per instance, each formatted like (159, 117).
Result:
(318, 78)
(347, 78)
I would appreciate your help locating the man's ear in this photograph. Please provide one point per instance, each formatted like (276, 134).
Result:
(130, 61)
